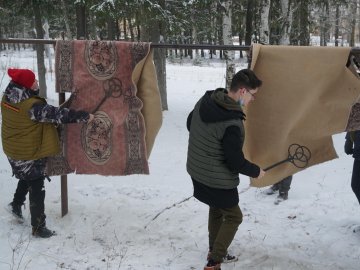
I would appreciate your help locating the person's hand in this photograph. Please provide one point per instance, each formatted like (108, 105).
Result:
(348, 147)
(91, 117)
(262, 173)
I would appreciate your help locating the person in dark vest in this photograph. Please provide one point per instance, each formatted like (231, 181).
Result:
(215, 159)
(29, 136)
(352, 147)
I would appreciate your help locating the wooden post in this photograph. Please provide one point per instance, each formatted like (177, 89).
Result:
(63, 178)
(64, 196)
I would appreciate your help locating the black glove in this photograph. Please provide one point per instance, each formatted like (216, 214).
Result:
(348, 147)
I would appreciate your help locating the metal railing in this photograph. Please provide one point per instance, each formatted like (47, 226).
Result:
(153, 45)
(354, 50)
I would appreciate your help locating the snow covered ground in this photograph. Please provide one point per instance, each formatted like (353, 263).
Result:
(153, 222)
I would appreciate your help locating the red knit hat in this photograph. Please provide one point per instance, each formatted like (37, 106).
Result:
(23, 77)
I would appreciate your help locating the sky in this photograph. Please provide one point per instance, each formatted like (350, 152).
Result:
(153, 222)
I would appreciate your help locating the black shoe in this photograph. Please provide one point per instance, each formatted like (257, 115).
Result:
(15, 209)
(283, 195)
(42, 232)
(229, 258)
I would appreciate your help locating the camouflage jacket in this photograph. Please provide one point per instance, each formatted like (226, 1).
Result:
(45, 113)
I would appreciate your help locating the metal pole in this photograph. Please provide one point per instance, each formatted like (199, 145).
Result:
(354, 50)
(153, 45)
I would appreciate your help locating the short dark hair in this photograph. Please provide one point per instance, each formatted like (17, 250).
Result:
(245, 78)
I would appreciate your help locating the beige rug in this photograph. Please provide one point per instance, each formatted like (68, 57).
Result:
(306, 97)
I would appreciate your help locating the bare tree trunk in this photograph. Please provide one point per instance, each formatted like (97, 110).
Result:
(219, 28)
(264, 27)
(213, 36)
(125, 29)
(92, 27)
(66, 20)
(110, 28)
(353, 13)
(131, 29)
(327, 25)
(304, 23)
(337, 23)
(160, 63)
(227, 37)
(47, 46)
(152, 30)
(40, 50)
(80, 21)
(194, 35)
(249, 21)
(357, 35)
(322, 24)
(286, 12)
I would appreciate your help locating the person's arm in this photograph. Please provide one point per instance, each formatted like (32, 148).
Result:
(49, 114)
(356, 144)
(188, 121)
(348, 147)
(234, 156)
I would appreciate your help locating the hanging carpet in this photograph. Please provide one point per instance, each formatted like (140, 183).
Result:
(306, 97)
(116, 81)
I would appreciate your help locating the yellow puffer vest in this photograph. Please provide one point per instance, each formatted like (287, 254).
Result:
(24, 139)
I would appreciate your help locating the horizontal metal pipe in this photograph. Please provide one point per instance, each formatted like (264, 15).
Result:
(153, 45)
(354, 50)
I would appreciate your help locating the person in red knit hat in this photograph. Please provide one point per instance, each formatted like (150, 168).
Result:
(29, 136)
(23, 77)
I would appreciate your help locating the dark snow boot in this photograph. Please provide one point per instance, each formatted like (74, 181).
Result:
(15, 210)
(356, 228)
(283, 195)
(229, 258)
(42, 232)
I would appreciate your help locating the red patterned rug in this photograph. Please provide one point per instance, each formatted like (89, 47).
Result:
(105, 78)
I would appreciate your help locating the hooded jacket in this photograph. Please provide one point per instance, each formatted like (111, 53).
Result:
(40, 113)
(215, 156)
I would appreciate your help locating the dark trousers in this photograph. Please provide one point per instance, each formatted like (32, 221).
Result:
(355, 179)
(223, 224)
(283, 185)
(36, 191)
